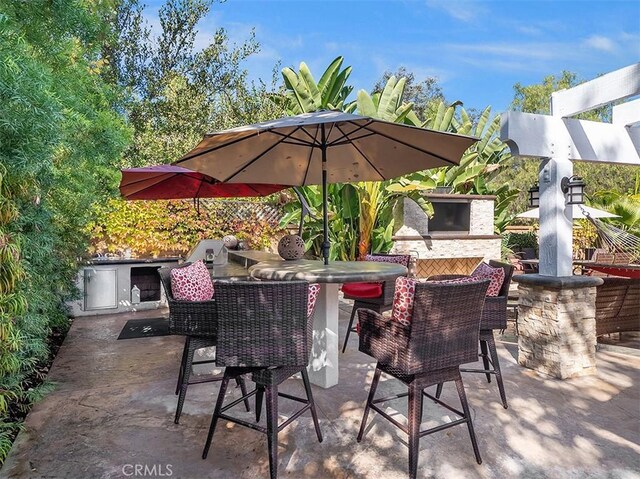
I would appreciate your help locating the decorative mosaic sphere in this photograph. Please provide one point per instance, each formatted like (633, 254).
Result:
(230, 241)
(242, 246)
(291, 247)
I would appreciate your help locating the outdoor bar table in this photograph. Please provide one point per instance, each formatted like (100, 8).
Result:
(323, 367)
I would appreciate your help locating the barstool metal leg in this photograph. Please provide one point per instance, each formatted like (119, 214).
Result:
(183, 362)
(467, 414)
(415, 419)
(191, 349)
(353, 315)
(272, 429)
(243, 389)
(314, 414)
(216, 413)
(496, 367)
(485, 358)
(372, 392)
(259, 400)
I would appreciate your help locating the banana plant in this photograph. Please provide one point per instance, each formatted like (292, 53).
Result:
(479, 164)
(377, 199)
(304, 95)
(386, 105)
(627, 207)
(343, 218)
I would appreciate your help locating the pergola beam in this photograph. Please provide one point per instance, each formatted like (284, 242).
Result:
(544, 136)
(626, 114)
(618, 85)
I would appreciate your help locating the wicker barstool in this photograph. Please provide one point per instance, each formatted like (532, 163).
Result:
(197, 322)
(494, 316)
(360, 293)
(443, 334)
(263, 329)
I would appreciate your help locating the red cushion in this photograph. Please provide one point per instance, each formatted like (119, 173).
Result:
(363, 290)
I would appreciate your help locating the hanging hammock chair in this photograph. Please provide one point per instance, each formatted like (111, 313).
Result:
(623, 248)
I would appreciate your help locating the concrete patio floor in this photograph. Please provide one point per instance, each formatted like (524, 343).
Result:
(113, 409)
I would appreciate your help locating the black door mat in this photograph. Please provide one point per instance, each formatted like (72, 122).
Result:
(145, 328)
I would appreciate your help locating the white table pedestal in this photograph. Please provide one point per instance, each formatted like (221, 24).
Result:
(323, 367)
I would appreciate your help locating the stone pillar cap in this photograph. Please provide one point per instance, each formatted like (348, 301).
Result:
(558, 282)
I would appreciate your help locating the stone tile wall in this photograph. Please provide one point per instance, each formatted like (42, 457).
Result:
(413, 236)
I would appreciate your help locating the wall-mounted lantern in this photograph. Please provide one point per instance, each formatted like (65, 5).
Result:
(573, 189)
(534, 196)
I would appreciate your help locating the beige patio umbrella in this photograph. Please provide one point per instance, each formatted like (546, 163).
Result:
(320, 148)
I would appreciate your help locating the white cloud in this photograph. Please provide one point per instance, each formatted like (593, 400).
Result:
(463, 10)
(529, 30)
(539, 51)
(602, 43)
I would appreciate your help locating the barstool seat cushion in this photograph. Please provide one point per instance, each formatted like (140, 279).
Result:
(362, 290)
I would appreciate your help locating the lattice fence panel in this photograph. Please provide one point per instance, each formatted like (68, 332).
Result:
(237, 210)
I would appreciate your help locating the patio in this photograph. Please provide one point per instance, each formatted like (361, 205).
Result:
(114, 403)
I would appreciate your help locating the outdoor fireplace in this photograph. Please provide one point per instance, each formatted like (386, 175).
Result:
(458, 236)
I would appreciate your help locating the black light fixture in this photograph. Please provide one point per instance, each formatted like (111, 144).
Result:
(573, 188)
(534, 196)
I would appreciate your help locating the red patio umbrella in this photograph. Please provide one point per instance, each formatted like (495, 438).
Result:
(170, 182)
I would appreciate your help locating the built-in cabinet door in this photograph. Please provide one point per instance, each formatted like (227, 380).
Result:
(100, 289)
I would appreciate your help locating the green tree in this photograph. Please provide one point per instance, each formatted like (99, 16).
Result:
(480, 165)
(523, 172)
(424, 95)
(174, 92)
(59, 140)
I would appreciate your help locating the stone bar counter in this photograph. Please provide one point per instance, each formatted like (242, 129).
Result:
(557, 325)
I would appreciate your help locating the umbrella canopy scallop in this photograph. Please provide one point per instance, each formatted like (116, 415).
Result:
(170, 182)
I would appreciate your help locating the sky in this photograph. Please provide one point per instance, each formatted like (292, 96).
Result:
(477, 49)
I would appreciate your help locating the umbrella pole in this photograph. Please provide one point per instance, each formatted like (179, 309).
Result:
(325, 245)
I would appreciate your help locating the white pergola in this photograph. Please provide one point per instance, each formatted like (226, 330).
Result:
(558, 140)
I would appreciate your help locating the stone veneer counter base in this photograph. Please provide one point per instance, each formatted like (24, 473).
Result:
(557, 327)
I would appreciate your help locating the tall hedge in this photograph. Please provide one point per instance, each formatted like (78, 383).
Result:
(59, 143)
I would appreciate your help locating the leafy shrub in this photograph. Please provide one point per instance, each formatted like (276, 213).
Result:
(59, 138)
(174, 227)
(519, 241)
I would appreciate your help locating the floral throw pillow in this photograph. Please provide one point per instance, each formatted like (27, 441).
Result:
(494, 275)
(192, 283)
(404, 296)
(314, 289)
(402, 259)
(403, 300)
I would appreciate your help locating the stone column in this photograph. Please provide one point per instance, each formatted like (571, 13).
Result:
(557, 326)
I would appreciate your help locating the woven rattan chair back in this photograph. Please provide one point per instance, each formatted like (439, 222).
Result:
(445, 325)
(190, 318)
(197, 321)
(263, 323)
